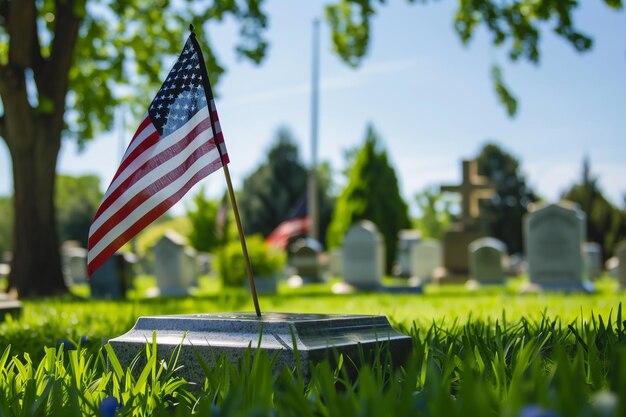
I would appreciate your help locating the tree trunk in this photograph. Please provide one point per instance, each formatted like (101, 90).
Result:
(36, 265)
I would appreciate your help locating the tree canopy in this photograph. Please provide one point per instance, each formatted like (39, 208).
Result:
(76, 202)
(606, 224)
(515, 26)
(503, 213)
(64, 67)
(372, 193)
(271, 191)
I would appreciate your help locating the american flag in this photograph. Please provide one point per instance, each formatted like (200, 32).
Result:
(173, 148)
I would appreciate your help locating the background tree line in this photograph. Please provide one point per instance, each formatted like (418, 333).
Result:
(66, 65)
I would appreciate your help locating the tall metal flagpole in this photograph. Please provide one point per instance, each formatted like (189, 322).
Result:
(231, 193)
(312, 179)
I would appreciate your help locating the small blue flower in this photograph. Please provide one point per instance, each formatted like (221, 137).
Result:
(67, 345)
(534, 410)
(85, 341)
(108, 406)
(215, 411)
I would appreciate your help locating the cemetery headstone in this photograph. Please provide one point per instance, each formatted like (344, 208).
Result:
(305, 262)
(486, 261)
(457, 238)
(114, 277)
(407, 240)
(174, 265)
(74, 262)
(363, 258)
(620, 253)
(554, 236)
(592, 256)
(426, 257)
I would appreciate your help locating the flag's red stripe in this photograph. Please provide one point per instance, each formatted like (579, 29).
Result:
(137, 199)
(151, 216)
(149, 141)
(151, 164)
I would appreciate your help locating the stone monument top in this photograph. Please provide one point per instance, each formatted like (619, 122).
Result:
(473, 188)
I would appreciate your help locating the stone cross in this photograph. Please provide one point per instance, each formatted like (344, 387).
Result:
(472, 189)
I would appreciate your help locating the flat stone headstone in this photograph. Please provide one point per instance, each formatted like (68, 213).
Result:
(620, 254)
(554, 236)
(363, 256)
(174, 265)
(486, 257)
(316, 336)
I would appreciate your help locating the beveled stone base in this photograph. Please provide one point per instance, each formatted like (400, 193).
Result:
(317, 337)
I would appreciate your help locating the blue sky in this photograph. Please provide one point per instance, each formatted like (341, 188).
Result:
(429, 98)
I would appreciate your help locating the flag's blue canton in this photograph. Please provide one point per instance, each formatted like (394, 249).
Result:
(181, 96)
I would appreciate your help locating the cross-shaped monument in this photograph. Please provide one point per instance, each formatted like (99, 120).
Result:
(456, 240)
(473, 188)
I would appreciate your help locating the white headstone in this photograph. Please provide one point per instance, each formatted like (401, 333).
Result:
(363, 256)
(486, 256)
(554, 237)
(426, 256)
(174, 264)
(74, 263)
(407, 239)
(305, 261)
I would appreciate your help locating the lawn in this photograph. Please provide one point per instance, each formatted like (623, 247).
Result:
(488, 352)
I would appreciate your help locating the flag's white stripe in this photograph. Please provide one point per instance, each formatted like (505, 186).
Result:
(151, 177)
(147, 131)
(138, 140)
(157, 148)
(150, 203)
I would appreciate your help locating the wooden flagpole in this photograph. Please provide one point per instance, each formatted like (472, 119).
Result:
(209, 96)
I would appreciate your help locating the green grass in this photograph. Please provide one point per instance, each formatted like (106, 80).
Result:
(485, 353)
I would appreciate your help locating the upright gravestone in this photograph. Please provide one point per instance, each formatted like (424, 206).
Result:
(486, 256)
(456, 240)
(363, 257)
(74, 262)
(426, 257)
(554, 237)
(114, 277)
(407, 239)
(305, 262)
(174, 265)
(592, 256)
(620, 254)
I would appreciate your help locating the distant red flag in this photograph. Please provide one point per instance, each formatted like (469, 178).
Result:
(171, 151)
(298, 223)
